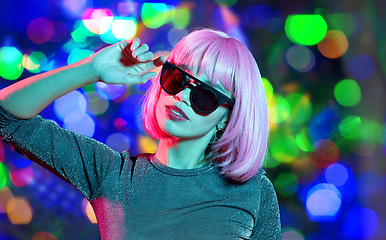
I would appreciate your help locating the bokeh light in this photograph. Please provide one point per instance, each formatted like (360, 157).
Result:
(326, 152)
(350, 127)
(110, 91)
(334, 45)
(60, 31)
(362, 66)
(96, 105)
(176, 34)
(20, 176)
(326, 144)
(303, 140)
(305, 29)
(124, 28)
(118, 141)
(10, 63)
(286, 184)
(77, 55)
(300, 58)
(336, 174)
(34, 62)
(284, 148)
(291, 234)
(21, 212)
(360, 223)
(225, 3)
(181, 17)
(40, 30)
(89, 211)
(146, 144)
(79, 35)
(44, 236)
(70, 103)
(279, 109)
(154, 15)
(126, 8)
(268, 89)
(97, 21)
(7, 201)
(79, 122)
(301, 108)
(3, 174)
(323, 203)
(342, 21)
(75, 6)
(347, 93)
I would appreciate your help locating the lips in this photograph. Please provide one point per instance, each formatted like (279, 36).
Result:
(177, 109)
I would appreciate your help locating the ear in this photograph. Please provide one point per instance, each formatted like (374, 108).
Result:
(224, 121)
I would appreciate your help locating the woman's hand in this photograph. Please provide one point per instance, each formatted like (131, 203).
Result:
(127, 62)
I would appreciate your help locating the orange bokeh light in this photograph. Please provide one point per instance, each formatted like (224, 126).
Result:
(334, 44)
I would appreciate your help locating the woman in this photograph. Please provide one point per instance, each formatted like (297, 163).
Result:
(208, 110)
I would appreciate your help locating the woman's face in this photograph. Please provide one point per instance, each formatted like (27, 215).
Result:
(195, 125)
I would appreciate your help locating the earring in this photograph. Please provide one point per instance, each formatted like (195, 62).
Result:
(218, 134)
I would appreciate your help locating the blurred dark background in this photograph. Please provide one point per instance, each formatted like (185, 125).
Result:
(323, 64)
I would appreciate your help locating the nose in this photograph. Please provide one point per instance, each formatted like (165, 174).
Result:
(183, 96)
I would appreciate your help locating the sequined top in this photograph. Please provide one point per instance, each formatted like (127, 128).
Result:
(141, 198)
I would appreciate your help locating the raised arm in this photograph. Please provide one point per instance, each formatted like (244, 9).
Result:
(126, 62)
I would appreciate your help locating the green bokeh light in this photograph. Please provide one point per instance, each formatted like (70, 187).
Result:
(271, 163)
(284, 148)
(370, 131)
(225, 3)
(303, 140)
(77, 55)
(81, 33)
(181, 18)
(347, 93)
(11, 66)
(154, 15)
(39, 59)
(301, 108)
(305, 29)
(350, 127)
(279, 109)
(268, 89)
(3, 174)
(286, 184)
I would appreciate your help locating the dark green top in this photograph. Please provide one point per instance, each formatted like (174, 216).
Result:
(141, 198)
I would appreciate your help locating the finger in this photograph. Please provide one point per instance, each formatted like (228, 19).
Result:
(155, 63)
(135, 42)
(141, 49)
(144, 57)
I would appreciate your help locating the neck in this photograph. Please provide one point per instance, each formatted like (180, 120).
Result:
(182, 154)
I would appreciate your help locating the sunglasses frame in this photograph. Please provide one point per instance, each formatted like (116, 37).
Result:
(222, 98)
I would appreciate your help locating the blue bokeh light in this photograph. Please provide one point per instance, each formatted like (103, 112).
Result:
(360, 222)
(336, 174)
(323, 203)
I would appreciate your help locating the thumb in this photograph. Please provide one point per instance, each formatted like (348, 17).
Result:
(145, 77)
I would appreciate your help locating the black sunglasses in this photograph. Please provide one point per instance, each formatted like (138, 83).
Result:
(203, 97)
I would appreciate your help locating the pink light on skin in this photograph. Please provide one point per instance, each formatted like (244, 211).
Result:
(97, 21)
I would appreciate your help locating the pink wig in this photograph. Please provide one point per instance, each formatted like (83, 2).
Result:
(241, 150)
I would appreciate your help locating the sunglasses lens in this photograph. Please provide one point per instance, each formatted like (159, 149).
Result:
(172, 80)
(204, 99)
